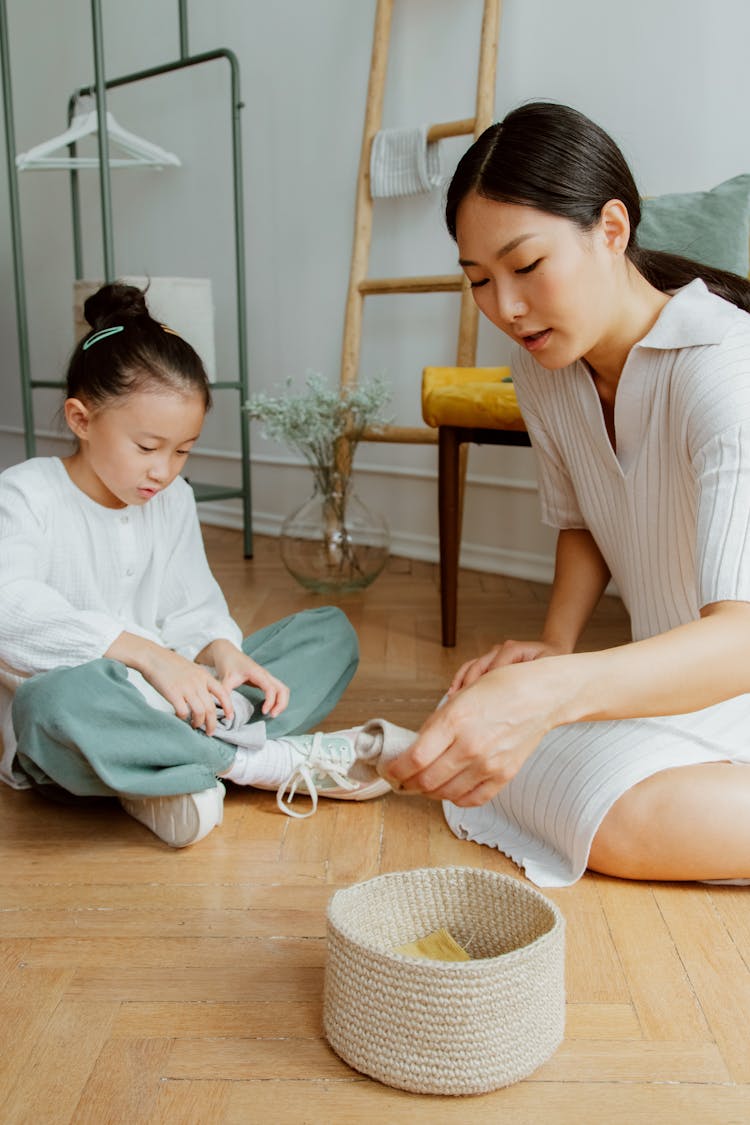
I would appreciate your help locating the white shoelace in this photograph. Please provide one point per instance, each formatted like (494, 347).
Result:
(319, 761)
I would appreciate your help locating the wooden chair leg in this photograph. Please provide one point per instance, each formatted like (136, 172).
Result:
(449, 448)
(463, 464)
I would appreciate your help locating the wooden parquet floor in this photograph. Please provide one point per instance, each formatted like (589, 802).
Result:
(140, 984)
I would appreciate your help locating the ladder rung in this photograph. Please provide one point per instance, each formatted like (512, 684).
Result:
(413, 435)
(451, 129)
(437, 283)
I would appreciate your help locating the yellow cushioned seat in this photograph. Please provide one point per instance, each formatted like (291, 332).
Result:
(478, 397)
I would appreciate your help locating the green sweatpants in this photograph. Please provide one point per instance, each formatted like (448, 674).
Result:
(89, 731)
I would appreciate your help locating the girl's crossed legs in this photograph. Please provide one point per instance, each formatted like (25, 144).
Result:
(89, 731)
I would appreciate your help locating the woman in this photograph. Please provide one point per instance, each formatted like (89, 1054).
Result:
(633, 376)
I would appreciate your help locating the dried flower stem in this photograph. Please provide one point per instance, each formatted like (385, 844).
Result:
(325, 425)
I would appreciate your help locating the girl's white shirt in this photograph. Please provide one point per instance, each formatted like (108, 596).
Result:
(74, 575)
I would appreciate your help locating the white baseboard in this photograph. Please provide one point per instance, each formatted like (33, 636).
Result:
(425, 548)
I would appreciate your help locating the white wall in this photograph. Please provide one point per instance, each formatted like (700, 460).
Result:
(665, 77)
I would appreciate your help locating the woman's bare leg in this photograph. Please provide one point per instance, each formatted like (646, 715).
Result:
(692, 822)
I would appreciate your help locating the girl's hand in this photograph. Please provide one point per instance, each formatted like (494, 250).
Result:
(234, 667)
(189, 687)
(510, 652)
(478, 740)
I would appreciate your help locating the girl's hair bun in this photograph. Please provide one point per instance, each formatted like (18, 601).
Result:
(127, 351)
(114, 302)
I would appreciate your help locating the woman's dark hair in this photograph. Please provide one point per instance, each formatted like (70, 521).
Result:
(554, 158)
(128, 351)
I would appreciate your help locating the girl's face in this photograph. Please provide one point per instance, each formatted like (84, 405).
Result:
(132, 448)
(539, 278)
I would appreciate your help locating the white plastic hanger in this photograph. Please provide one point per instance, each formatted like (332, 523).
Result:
(136, 150)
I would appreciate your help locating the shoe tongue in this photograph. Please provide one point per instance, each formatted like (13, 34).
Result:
(329, 763)
(332, 751)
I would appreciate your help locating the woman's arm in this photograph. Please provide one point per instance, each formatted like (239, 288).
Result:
(685, 669)
(581, 576)
(476, 743)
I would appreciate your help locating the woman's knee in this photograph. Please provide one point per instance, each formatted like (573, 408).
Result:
(621, 844)
(608, 849)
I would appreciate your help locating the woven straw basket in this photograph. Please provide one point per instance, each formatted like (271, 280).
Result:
(439, 1027)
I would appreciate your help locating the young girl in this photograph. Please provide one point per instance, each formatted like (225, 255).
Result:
(633, 376)
(118, 658)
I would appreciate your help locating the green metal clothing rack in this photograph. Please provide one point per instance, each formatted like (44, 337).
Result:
(99, 89)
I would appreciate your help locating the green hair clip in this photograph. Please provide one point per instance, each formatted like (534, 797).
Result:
(101, 334)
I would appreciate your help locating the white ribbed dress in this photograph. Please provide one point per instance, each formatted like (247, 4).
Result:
(670, 513)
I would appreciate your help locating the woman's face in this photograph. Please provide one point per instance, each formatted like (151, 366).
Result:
(539, 278)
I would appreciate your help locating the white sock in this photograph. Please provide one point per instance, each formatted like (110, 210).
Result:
(265, 767)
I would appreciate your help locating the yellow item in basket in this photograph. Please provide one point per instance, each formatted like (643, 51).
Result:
(437, 946)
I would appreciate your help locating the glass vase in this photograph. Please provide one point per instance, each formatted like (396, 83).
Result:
(333, 543)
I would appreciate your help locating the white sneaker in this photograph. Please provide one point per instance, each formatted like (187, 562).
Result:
(321, 769)
(180, 820)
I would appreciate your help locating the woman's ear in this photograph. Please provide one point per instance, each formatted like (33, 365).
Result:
(77, 416)
(615, 225)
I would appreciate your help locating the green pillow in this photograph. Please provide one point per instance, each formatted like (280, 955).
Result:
(712, 227)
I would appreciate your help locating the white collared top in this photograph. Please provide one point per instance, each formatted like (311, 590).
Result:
(670, 510)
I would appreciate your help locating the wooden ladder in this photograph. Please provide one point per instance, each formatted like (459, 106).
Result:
(360, 285)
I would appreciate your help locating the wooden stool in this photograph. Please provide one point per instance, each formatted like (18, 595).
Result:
(466, 405)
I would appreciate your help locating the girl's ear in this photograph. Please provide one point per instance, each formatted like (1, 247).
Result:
(615, 225)
(78, 416)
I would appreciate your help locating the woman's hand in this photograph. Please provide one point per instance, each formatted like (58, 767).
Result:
(478, 740)
(510, 652)
(234, 667)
